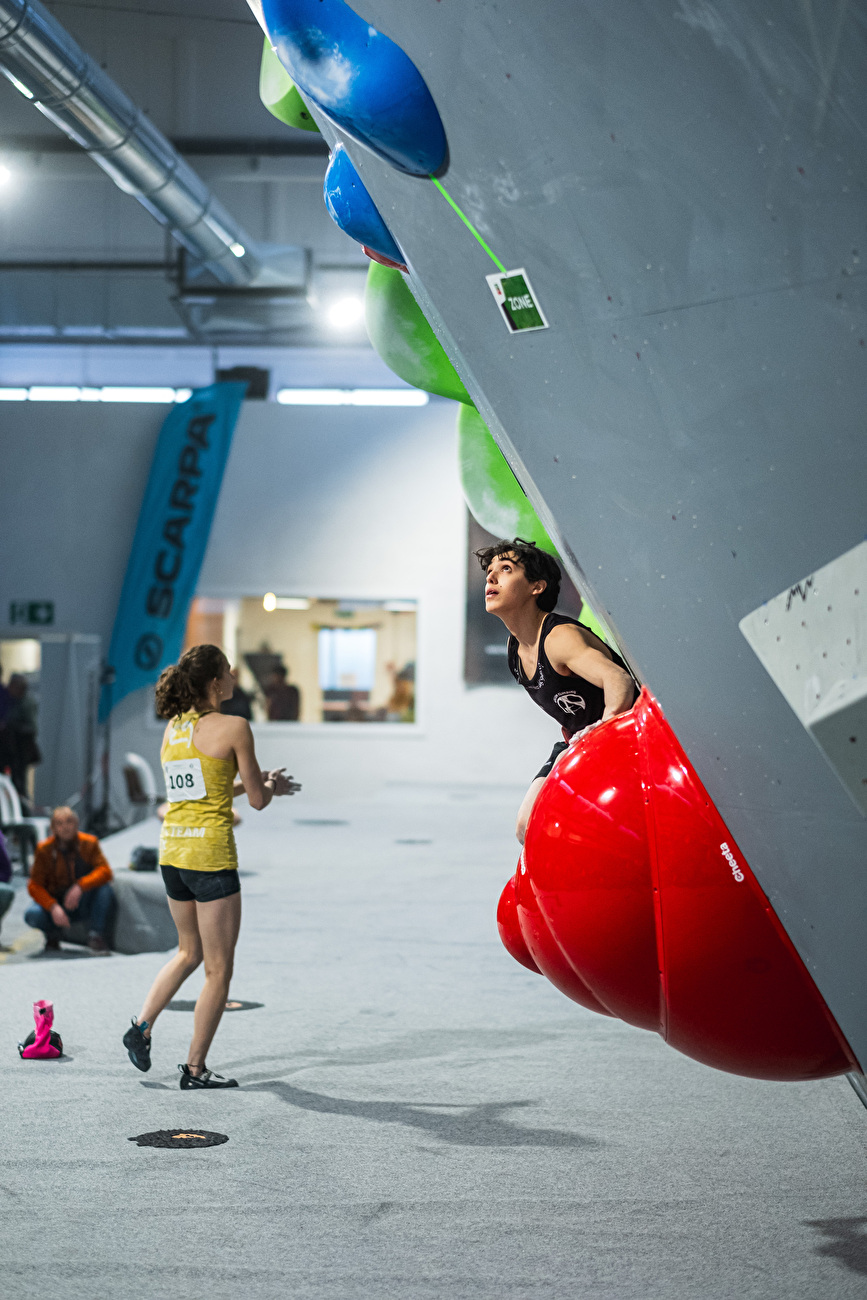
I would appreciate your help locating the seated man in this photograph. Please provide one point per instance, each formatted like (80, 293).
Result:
(69, 883)
(563, 666)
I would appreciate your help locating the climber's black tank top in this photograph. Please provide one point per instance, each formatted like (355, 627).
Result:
(572, 701)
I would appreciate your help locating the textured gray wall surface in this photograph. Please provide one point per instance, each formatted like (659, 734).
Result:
(684, 183)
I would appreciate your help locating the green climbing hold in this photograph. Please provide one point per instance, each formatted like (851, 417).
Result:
(496, 499)
(400, 333)
(279, 93)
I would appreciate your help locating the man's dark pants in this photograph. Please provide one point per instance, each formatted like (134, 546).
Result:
(94, 913)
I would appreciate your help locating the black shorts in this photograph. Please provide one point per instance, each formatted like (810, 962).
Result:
(186, 886)
(545, 769)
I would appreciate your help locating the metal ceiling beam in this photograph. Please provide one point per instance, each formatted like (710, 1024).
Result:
(46, 65)
(203, 146)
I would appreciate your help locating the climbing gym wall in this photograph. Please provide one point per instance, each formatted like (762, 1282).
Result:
(636, 235)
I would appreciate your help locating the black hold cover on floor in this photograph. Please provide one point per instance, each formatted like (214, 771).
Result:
(230, 1006)
(56, 1041)
(189, 1139)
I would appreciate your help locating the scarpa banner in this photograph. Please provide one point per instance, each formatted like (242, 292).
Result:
(170, 539)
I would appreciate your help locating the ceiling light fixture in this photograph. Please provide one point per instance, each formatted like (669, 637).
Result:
(345, 313)
(293, 602)
(19, 85)
(72, 393)
(352, 397)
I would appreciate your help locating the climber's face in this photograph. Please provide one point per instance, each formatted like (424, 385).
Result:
(507, 589)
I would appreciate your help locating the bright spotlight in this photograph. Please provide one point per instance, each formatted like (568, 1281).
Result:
(5, 174)
(238, 249)
(345, 313)
(269, 602)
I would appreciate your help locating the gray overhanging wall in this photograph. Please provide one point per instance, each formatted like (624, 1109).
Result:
(685, 187)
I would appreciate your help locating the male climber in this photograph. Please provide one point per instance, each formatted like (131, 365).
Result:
(561, 665)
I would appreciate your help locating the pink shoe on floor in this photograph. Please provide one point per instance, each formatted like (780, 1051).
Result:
(43, 1044)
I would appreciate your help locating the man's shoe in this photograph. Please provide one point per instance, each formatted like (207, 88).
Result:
(52, 945)
(204, 1080)
(97, 944)
(138, 1046)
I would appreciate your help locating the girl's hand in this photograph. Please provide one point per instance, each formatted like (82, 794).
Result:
(282, 784)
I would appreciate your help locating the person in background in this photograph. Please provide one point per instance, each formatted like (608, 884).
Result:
(202, 754)
(5, 699)
(401, 706)
(7, 755)
(21, 725)
(284, 700)
(70, 881)
(7, 893)
(356, 710)
(239, 706)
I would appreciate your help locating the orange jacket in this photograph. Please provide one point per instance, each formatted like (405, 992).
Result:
(54, 870)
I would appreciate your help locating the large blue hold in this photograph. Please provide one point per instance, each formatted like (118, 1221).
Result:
(353, 209)
(360, 79)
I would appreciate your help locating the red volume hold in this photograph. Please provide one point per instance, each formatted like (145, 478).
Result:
(636, 901)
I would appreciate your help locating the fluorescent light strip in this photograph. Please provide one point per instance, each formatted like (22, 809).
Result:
(63, 393)
(19, 85)
(270, 602)
(352, 397)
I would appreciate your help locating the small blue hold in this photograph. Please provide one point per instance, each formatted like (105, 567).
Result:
(360, 79)
(352, 208)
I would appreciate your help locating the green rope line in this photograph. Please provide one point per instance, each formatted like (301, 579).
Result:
(469, 224)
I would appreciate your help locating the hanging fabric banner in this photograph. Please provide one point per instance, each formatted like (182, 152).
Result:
(170, 539)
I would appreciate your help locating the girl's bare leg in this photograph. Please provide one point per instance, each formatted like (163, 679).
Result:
(184, 962)
(219, 923)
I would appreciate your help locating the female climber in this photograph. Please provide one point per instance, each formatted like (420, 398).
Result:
(202, 751)
(563, 666)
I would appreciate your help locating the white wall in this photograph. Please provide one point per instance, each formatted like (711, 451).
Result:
(350, 502)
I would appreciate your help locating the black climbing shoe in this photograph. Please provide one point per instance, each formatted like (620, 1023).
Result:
(138, 1046)
(204, 1080)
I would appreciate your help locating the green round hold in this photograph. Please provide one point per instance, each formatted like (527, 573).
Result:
(279, 93)
(495, 497)
(400, 333)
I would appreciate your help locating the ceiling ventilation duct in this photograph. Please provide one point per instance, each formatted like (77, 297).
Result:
(44, 63)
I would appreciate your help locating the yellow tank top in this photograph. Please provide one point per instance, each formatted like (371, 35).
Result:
(197, 832)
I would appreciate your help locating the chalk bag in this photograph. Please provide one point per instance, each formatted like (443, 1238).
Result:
(43, 1043)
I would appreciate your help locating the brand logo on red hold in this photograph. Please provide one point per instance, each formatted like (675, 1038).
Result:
(732, 861)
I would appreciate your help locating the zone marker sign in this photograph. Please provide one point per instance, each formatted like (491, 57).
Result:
(518, 304)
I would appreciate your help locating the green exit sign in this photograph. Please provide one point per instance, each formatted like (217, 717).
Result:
(32, 613)
(518, 305)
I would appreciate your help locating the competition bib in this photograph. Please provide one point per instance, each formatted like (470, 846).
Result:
(184, 779)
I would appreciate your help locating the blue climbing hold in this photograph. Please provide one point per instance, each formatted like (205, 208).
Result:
(360, 79)
(352, 208)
